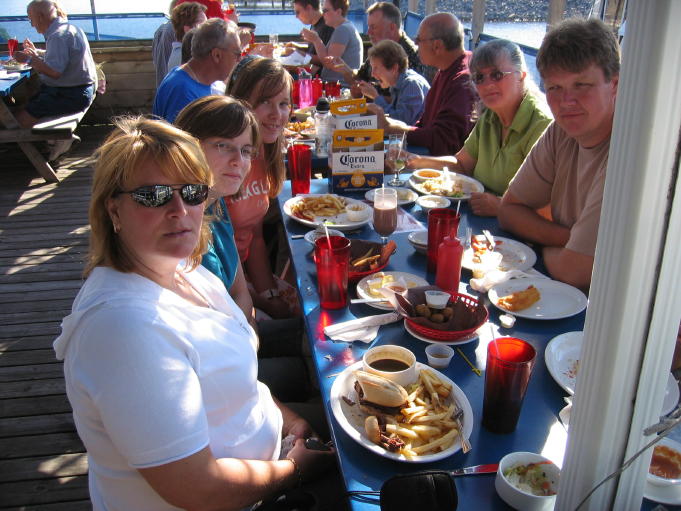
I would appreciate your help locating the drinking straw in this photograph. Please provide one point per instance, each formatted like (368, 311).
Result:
(328, 239)
(458, 205)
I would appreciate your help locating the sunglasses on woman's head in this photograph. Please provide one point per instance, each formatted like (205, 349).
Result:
(154, 196)
(495, 76)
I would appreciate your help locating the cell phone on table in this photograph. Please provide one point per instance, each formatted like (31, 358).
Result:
(316, 444)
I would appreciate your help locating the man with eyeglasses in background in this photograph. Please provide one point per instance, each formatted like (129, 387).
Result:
(215, 52)
(309, 12)
(579, 62)
(448, 111)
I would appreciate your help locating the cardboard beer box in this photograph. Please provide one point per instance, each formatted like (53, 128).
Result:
(351, 114)
(356, 160)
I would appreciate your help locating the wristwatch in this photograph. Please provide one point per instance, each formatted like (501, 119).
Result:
(270, 293)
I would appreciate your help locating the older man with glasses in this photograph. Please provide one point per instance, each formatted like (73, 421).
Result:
(446, 119)
(215, 53)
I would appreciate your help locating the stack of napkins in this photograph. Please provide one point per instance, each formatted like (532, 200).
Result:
(6, 75)
(494, 277)
(364, 329)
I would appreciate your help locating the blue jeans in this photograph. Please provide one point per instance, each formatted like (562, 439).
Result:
(55, 101)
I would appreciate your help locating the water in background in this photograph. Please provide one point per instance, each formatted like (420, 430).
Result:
(530, 33)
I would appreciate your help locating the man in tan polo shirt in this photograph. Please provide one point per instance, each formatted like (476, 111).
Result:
(579, 63)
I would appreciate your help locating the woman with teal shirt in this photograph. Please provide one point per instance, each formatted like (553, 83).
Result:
(514, 117)
(228, 132)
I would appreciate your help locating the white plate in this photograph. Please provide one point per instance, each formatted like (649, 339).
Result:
(470, 185)
(562, 361)
(558, 300)
(339, 222)
(464, 340)
(670, 495)
(516, 255)
(419, 240)
(351, 418)
(410, 195)
(16, 67)
(409, 278)
(311, 236)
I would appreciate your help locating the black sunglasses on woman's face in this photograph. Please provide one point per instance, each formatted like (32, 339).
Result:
(154, 196)
(495, 76)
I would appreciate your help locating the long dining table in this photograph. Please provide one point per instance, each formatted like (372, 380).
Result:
(539, 428)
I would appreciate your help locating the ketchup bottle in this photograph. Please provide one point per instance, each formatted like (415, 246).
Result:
(448, 273)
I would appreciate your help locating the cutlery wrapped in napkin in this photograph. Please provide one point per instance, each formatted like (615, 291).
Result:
(363, 329)
(494, 277)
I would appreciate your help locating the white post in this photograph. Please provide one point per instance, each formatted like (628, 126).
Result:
(430, 6)
(556, 10)
(634, 308)
(478, 22)
(414, 6)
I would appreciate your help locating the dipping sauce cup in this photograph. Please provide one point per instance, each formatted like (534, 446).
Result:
(509, 365)
(439, 355)
(392, 362)
(299, 158)
(441, 222)
(331, 257)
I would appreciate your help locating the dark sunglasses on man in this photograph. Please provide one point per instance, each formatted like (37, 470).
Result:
(154, 196)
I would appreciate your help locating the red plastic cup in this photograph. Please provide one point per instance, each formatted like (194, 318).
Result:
(332, 256)
(509, 366)
(441, 223)
(332, 89)
(299, 160)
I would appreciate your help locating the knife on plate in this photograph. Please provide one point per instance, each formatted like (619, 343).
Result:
(477, 469)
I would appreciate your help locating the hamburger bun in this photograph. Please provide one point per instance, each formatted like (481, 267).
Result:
(378, 395)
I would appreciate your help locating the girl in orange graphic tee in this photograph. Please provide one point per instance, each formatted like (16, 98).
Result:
(266, 86)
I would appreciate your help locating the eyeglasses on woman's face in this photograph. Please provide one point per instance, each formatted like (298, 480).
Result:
(154, 196)
(230, 150)
(495, 76)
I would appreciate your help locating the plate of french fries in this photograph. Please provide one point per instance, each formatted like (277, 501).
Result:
(538, 298)
(329, 209)
(516, 255)
(425, 425)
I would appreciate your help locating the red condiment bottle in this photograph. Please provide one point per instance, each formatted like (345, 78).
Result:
(448, 273)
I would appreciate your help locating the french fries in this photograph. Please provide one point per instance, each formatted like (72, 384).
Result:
(320, 206)
(425, 425)
(520, 300)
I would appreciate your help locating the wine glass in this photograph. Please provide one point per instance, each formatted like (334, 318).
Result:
(274, 42)
(385, 212)
(397, 158)
(12, 44)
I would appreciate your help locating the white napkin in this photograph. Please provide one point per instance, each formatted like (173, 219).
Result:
(6, 75)
(494, 277)
(363, 329)
(295, 59)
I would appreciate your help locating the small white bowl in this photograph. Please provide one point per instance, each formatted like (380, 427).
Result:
(311, 236)
(358, 214)
(439, 355)
(419, 240)
(437, 299)
(428, 202)
(425, 174)
(662, 481)
(394, 352)
(517, 498)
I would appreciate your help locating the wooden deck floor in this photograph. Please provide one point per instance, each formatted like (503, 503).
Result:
(43, 241)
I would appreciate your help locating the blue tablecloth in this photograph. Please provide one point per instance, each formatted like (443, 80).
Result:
(539, 429)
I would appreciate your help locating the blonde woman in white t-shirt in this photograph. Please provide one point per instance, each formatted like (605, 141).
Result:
(160, 364)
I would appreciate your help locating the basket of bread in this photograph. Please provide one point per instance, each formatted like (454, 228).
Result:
(454, 318)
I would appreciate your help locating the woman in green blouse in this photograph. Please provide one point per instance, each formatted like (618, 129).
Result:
(514, 117)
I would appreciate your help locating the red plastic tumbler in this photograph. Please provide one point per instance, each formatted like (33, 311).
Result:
(332, 256)
(509, 366)
(299, 160)
(441, 223)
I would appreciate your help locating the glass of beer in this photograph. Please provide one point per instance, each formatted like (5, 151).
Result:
(385, 212)
(397, 158)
